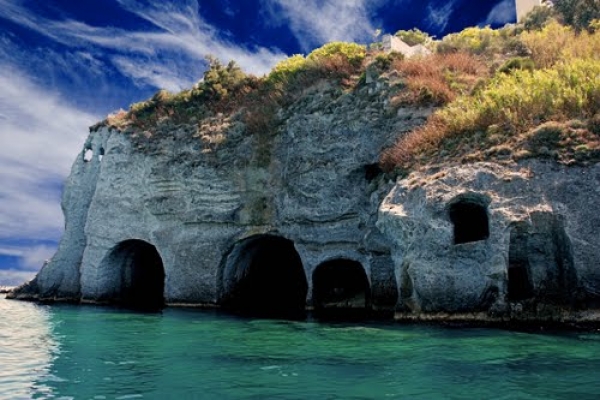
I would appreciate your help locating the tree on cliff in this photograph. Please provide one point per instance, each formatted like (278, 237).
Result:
(578, 13)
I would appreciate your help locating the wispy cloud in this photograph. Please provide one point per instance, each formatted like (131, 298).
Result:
(502, 13)
(439, 16)
(15, 277)
(39, 138)
(170, 55)
(30, 257)
(314, 22)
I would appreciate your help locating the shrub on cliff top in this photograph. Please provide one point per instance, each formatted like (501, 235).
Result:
(556, 42)
(336, 59)
(354, 53)
(437, 79)
(508, 106)
(414, 37)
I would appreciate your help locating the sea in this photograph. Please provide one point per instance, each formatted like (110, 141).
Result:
(87, 352)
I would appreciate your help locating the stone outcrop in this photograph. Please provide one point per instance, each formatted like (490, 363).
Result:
(519, 242)
(213, 202)
(207, 214)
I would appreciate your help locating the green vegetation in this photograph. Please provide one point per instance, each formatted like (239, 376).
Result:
(544, 105)
(414, 37)
(227, 89)
(530, 90)
(579, 14)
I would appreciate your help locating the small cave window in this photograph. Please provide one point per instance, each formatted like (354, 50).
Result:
(470, 220)
(88, 154)
(372, 171)
(101, 154)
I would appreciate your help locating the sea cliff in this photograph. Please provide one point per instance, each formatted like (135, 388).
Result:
(308, 190)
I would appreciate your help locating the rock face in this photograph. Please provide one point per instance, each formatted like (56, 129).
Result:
(230, 218)
(520, 242)
(208, 214)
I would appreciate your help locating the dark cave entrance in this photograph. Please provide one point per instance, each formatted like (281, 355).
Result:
(519, 282)
(264, 276)
(470, 220)
(142, 275)
(341, 289)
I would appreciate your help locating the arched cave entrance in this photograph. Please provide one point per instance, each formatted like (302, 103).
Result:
(519, 282)
(341, 289)
(470, 220)
(141, 276)
(263, 276)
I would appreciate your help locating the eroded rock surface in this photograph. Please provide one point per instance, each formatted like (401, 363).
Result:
(517, 241)
(195, 193)
(206, 213)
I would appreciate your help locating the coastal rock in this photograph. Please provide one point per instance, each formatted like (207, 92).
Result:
(520, 241)
(207, 213)
(204, 204)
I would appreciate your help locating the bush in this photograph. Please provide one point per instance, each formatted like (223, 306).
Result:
(437, 79)
(557, 42)
(219, 80)
(288, 68)
(517, 63)
(539, 17)
(513, 103)
(353, 52)
(472, 40)
(414, 37)
(578, 13)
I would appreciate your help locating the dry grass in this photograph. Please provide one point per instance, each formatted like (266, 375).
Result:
(437, 79)
(570, 142)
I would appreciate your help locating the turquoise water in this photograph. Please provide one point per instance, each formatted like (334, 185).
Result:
(68, 352)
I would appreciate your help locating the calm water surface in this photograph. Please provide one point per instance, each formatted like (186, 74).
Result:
(68, 352)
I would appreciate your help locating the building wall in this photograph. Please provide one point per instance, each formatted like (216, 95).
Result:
(525, 6)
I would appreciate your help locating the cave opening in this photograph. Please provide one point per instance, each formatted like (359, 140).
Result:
(470, 220)
(141, 274)
(263, 276)
(519, 282)
(341, 289)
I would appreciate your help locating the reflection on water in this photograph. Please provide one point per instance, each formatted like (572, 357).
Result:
(101, 353)
(27, 349)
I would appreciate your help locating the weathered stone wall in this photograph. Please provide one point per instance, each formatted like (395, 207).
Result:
(543, 220)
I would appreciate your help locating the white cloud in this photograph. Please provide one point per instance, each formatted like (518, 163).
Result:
(438, 17)
(171, 54)
(315, 22)
(502, 13)
(13, 277)
(31, 258)
(39, 138)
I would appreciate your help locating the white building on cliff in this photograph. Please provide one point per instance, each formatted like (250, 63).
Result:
(525, 6)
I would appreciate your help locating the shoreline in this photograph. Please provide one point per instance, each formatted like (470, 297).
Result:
(582, 321)
(6, 289)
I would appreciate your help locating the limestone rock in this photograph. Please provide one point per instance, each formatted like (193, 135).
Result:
(521, 241)
(195, 192)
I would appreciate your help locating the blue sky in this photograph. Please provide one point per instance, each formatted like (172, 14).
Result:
(66, 64)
